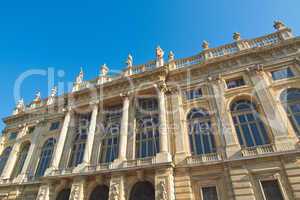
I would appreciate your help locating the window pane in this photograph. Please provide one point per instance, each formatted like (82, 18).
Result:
(271, 190)
(235, 83)
(282, 74)
(209, 193)
(247, 135)
(295, 108)
(256, 134)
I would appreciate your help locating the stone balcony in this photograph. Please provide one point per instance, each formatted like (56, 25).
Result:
(204, 159)
(258, 150)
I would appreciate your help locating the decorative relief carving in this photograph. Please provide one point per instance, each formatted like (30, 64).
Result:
(42, 195)
(75, 193)
(115, 193)
(163, 194)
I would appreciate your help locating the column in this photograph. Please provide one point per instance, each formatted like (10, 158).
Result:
(124, 127)
(164, 154)
(216, 92)
(91, 135)
(62, 140)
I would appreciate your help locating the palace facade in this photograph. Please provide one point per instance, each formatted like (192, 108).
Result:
(221, 125)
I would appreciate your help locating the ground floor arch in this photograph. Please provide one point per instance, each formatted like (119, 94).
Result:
(142, 191)
(64, 194)
(100, 192)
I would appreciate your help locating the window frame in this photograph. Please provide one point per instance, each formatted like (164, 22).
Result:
(209, 186)
(235, 79)
(190, 94)
(281, 189)
(57, 127)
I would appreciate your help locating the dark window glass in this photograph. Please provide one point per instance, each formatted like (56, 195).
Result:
(282, 74)
(3, 158)
(31, 129)
(64, 194)
(209, 193)
(142, 191)
(101, 192)
(193, 94)
(54, 126)
(46, 157)
(271, 190)
(235, 83)
(21, 160)
(13, 135)
(249, 128)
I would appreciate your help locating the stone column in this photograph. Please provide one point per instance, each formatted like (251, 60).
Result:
(91, 136)
(164, 155)
(216, 92)
(62, 140)
(268, 104)
(124, 127)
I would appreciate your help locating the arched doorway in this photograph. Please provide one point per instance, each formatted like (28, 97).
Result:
(64, 194)
(101, 192)
(142, 191)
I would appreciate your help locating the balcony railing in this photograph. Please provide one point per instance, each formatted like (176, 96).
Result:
(258, 150)
(204, 158)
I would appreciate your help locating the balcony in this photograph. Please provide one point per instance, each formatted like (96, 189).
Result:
(204, 159)
(258, 150)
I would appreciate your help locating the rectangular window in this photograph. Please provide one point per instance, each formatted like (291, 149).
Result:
(282, 74)
(31, 129)
(13, 136)
(233, 83)
(271, 190)
(193, 94)
(209, 193)
(54, 126)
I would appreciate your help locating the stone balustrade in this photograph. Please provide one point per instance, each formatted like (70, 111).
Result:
(205, 158)
(258, 150)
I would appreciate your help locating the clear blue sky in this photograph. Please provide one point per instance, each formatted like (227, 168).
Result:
(66, 35)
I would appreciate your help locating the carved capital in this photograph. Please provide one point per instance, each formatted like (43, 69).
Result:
(257, 69)
(162, 87)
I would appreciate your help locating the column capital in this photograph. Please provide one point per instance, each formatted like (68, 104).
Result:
(126, 95)
(162, 86)
(255, 69)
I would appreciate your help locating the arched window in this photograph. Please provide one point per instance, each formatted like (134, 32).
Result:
(3, 159)
(249, 128)
(64, 194)
(21, 159)
(200, 132)
(147, 128)
(290, 100)
(101, 192)
(79, 143)
(46, 156)
(142, 191)
(110, 142)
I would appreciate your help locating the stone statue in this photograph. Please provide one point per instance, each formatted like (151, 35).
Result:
(171, 56)
(163, 191)
(79, 78)
(159, 53)
(37, 98)
(104, 70)
(159, 57)
(129, 60)
(20, 107)
(75, 192)
(52, 96)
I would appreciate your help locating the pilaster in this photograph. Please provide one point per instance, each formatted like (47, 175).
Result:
(117, 187)
(164, 184)
(78, 189)
(216, 91)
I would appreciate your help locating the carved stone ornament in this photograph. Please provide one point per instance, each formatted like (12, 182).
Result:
(159, 53)
(115, 192)
(79, 78)
(20, 107)
(171, 56)
(52, 96)
(42, 193)
(129, 60)
(163, 195)
(75, 192)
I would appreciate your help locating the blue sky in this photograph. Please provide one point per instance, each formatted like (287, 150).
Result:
(67, 35)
